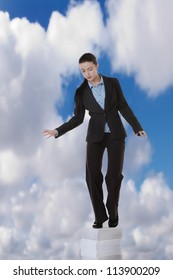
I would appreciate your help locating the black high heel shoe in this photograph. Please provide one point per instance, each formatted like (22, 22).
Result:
(97, 225)
(113, 223)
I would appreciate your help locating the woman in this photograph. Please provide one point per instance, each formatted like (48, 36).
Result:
(103, 98)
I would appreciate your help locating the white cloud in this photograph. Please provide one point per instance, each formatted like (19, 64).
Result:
(146, 217)
(42, 183)
(81, 30)
(44, 201)
(140, 40)
(10, 168)
(59, 219)
(137, 154)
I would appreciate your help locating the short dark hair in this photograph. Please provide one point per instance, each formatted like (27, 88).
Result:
(88, 57)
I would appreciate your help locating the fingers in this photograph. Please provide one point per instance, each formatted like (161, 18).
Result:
(47, 133)
(144, 134)
(141, 133)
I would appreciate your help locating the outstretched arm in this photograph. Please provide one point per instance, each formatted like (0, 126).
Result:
(77, 119)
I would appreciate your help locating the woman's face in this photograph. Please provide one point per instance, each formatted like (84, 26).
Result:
(89, 70)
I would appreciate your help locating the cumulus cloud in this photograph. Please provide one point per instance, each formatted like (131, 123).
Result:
(42, 182)
(147, 219)
(140, 40)
(81, 30)
(9, 161)
(44, 202)
(138, 154)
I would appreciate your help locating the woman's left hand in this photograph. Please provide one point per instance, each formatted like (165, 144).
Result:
(141, 133)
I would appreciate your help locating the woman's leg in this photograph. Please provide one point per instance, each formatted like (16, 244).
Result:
(94, 179)
(115, 149)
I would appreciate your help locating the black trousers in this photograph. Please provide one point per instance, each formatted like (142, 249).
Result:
(113, 178)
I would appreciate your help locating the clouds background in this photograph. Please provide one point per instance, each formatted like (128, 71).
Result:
(44, 202)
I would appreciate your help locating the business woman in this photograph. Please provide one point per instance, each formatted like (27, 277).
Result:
(103, 98)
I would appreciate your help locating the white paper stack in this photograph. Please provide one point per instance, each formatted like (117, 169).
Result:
(103, 244)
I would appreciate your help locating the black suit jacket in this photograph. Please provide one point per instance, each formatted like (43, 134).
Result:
(115, 102)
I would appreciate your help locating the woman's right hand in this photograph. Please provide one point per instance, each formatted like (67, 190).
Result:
(49, 133)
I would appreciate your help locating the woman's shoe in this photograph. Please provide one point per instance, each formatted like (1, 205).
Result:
(113, 223)
(97, 225)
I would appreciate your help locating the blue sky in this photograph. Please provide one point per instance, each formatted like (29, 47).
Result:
(34, 10)
(142, 65)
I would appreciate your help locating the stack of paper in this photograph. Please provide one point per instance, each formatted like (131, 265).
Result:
(103, 244)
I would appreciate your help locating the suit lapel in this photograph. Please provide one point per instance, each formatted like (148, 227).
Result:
(90, 101)
(107, 92)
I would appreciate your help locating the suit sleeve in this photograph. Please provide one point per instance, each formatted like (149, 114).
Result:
(125, 110)
(78, 116)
